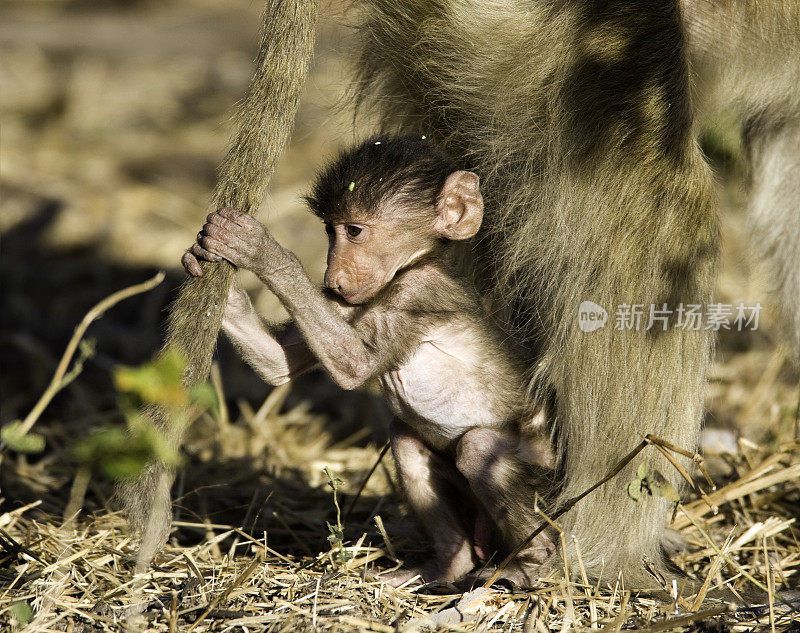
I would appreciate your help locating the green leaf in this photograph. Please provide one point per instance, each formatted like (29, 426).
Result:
(342, 556)
(87, 348)
(17, 440)
(204, 396)
(124, 467)
(157, 382)
(21, 611)
(639, 482)
(121, 454)
(336, 535)
(333, 481)
(652, 482)
(659, 485)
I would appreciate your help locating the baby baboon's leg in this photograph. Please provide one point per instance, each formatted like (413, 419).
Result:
(775, 214)
(428, 480)
(503, 471)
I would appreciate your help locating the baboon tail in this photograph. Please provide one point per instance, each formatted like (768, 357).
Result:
(265, 118)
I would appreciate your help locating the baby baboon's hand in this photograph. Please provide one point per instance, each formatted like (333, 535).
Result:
(239, 238)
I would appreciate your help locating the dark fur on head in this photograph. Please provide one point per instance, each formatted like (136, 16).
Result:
(407, 169)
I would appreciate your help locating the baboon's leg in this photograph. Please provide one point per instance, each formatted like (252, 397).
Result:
(428, 481)
(774, 205)
(743, 57)
(502, 476)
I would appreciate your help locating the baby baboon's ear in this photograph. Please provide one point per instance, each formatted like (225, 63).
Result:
(460, 206)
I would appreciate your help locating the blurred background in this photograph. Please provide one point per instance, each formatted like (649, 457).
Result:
(115, 115)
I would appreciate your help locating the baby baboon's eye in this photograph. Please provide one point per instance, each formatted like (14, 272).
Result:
(353, 230)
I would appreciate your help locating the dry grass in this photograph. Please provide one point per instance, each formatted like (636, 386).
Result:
(112, 127)
(269, 566)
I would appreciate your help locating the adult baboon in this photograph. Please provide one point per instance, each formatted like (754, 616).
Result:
(577, 115)
(596, 191)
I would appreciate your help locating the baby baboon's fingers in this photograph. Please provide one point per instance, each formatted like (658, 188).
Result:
(191, 265)
(228, 213)
(220, 248)
(201, 253)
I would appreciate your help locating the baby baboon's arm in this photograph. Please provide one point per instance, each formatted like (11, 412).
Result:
(350, 353)
(276, 354)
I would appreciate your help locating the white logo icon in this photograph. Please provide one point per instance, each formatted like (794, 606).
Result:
(591, 316)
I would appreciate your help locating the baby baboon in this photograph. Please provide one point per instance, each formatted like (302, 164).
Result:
(469, 444)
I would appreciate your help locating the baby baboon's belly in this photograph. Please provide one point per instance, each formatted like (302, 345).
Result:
(438, 392)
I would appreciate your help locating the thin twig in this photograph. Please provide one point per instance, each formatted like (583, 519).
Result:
(56, 383)
(363, 485)
(662, 444)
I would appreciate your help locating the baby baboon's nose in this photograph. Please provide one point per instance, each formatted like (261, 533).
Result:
(332, 280)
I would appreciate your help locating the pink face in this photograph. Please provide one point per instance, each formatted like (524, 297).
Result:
(365, 253)
(364, 256)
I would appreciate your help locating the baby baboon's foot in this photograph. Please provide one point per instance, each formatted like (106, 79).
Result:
(514, 576)
(521, 576)
(538, 552)
(435, 571)
(423, 575)
(531, 564)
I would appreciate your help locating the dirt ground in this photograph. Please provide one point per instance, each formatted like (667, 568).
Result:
(115, 115)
